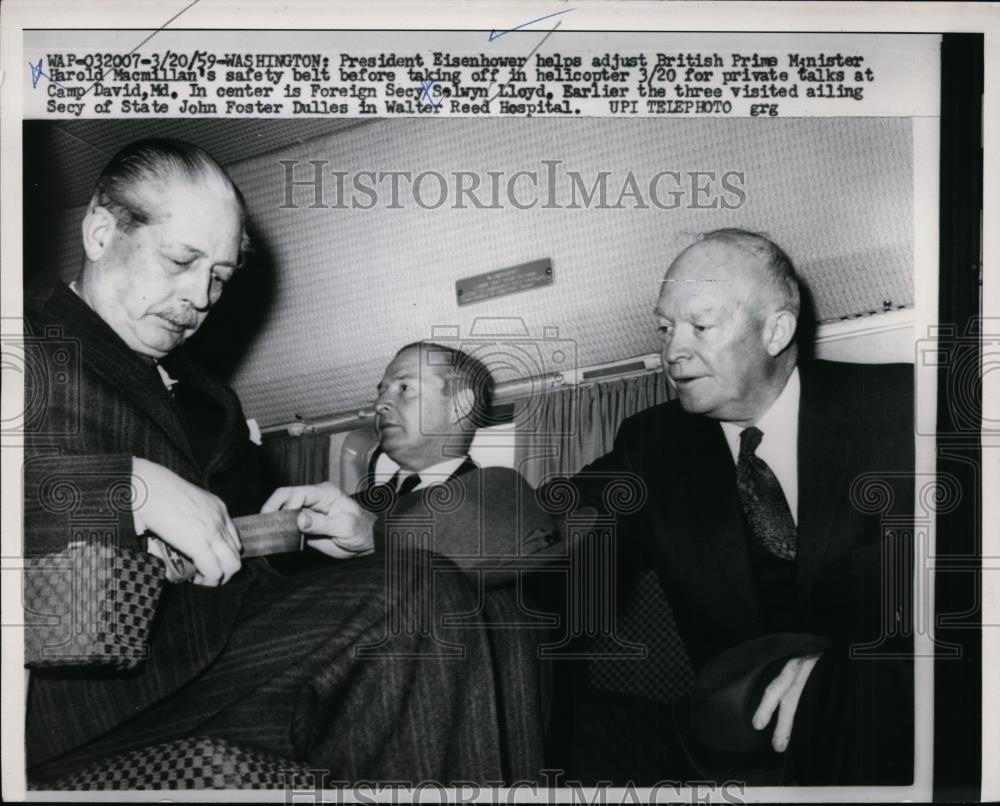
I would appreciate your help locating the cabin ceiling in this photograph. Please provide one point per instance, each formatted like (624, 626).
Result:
(77, 150)
(331, 293)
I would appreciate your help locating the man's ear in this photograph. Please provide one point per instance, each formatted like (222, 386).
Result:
(779, 330)
(99, 229)
(464, 402)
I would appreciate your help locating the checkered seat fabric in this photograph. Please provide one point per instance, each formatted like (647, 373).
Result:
(665, 673)
(196, 762)
(90, 604)
(93, 604)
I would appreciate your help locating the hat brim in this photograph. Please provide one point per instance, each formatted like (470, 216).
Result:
(714, 723)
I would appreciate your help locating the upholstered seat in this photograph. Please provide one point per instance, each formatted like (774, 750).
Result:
(664, 675)
(93, 604)
(195, 762)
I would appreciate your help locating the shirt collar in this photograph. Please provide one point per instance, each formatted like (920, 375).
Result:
(780, 423)
(386, 467)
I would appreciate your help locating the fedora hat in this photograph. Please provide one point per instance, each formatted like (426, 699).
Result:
(714, 724)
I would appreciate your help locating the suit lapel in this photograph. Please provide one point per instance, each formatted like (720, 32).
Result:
(105, 354)
(708, 505)
(466, 467)
(226, 447)
(374, 503)
(824, 453)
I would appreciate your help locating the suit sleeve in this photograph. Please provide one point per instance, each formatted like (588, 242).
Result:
(609, 488)
(486, 519)
(70, 499)
(90, 589)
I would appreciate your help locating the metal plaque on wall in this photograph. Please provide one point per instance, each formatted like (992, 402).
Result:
(501, 282)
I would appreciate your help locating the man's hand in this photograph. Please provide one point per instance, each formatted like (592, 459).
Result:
(190, 519)
(346, 528)
(783, 693)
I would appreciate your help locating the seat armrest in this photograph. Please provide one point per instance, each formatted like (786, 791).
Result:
(90, 604)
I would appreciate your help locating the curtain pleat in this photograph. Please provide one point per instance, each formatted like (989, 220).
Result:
(560, 432)
(298, 460)
(557, 433)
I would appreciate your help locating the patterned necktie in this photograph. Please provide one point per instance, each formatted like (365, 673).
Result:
(764, 504)
(409, 483)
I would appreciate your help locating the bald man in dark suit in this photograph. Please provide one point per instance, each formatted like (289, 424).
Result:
(770, 491)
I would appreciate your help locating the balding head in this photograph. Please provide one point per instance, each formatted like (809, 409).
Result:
(431, 400)
(761, 261)
(727, 315)
(132, 184)
(163, 234)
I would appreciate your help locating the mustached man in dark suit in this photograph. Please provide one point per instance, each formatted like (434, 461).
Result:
(239, 652)
(759, 519)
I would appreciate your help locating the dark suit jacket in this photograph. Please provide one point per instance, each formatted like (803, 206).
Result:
(377, 498)
(94, 404)
(855, 465)
(483, 519)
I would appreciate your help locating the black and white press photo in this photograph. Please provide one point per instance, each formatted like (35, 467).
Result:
(523, 407)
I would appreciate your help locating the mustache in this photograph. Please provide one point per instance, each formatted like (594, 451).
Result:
(182, 316)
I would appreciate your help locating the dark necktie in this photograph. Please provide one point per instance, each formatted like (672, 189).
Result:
(409, 483)
(382, 496)
(764, 505)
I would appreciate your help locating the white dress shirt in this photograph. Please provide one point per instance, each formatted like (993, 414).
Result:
(386, 467)
(779, 446)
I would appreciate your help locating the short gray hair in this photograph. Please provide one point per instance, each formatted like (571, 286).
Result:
(780, 271)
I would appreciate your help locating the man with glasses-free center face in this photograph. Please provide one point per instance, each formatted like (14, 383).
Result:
(430, 400)
(426, 407)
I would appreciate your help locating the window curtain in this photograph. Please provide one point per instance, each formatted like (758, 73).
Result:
(298, 460)
(560, 432)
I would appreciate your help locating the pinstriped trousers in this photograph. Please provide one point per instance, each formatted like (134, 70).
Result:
(347, 669)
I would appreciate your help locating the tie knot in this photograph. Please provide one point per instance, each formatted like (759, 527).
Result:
(408, 484)
(749, 440)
